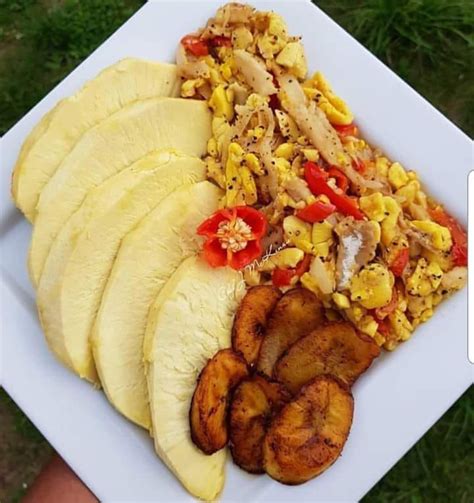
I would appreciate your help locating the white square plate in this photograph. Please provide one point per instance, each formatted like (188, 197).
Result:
(401, 396)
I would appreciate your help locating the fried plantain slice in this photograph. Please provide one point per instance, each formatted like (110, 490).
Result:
(255, 401)
(308, 434)
(335, 348)
(251, 318)
(209, 406)
(296, 314)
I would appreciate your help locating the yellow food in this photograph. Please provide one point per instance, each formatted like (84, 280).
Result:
(83, 254)
(51, 141)
(439, 235)
(107, 149)
(146, 259)
(372, 286)
(190, 320)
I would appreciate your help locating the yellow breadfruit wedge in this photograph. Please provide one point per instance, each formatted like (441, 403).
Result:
(74, 279)
(114, 144)
(189, 322)
(147, 257)
(59, 130)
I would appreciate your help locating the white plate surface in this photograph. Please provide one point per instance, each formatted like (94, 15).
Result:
(401, 396)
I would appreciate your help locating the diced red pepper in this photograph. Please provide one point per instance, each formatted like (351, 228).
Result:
(459, 249)
(359, 165)
(282, 277)
(384, 327)
(316, 177)
(400, 262)
(341, 179)
(303, 266)
(195, 45)
(213, 251)
(349, 130)
(220, 41)
(316, 212)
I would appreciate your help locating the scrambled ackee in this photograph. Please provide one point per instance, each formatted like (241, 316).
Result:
(342, 219)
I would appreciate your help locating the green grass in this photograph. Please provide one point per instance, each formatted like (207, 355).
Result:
(429, 43)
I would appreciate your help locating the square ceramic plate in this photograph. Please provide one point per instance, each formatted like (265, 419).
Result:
(401, 396)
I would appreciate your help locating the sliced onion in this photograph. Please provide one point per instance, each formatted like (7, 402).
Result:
(322, 276)
(254, 72)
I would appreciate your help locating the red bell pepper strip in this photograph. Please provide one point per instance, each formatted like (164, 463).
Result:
(341, 179)
(400, 262)
(220, 41)
(458, 234)
(214, 252)
(316, 212)
(349, 130)
(195, 45)
(316, 178)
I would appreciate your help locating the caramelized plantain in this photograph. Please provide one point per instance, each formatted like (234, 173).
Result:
(208, 414)
(254, 402)
(335, 348)
(251, 318)
(296, 314)
(308, 434)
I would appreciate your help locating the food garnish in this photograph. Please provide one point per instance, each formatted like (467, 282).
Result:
(233, 236)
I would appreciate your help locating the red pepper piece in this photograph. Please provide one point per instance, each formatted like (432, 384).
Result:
(282, 277)
(359, 166)
(195, 45)
(303, 266)
(400, 262)
(459, 249)
(349, 130)
(220, 41)
(316, 212)
(316, 178)
(341, 179)
(384, 327)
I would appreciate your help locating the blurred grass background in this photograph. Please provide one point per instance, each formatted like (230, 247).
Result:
(429, 43)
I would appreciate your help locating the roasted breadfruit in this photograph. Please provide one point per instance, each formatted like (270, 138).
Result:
(308, 434)
(254, 402)
(334, 348)
(251, 319)
(296, 314)
(208, 415)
